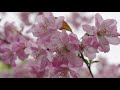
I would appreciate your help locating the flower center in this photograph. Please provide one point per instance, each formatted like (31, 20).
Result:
(102, 32)
(82, 47)
(63, 50)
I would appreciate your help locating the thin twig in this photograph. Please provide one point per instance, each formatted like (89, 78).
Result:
(88, 65)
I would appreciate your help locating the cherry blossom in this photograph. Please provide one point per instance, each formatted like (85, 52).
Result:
(53, 50)
(105, 31)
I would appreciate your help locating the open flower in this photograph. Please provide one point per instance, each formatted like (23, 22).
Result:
(105, 31)
(46, 25)
(66, 51)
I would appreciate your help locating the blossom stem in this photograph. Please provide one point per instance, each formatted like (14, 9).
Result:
(88, 65)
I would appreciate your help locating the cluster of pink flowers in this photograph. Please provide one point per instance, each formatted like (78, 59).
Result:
(56, 52)
(105, 31)
(12, 44)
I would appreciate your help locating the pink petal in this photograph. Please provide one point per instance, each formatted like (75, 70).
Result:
(25, 17)
(49, 16)
(90, 56)
(98, 20)
(103, 40)
(89, 29)
(59, 61)
(9, 58)
(113, 25)
(104, 44)
(74, 74)
(92, 50)
(59, 21)
(21, 54)
(74, 60)
(43, 63)
(113, 40)
(74, 39)
(41, 20)
(28, 51)
(64, 37)
(109, 22)
(104, 48)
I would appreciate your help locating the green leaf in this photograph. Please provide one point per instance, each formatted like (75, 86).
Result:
(95, 62)
(90, 61)
(3, 66)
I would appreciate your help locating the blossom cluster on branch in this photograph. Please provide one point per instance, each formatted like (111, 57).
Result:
(56, 52)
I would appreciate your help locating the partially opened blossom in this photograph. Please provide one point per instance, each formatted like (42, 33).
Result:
(105, 31)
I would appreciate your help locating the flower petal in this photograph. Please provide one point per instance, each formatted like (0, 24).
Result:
(64, 37)
(109, 22)
(98, 20)
(91, 50)
(113, 40)
(74, 60)
(89, 29)
(74, 74)
(90, 56)
(58, 61)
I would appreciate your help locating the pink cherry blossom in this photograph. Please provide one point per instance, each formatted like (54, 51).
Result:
(52, 51)
(66, 51)
(46, 24)
(105, 31)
